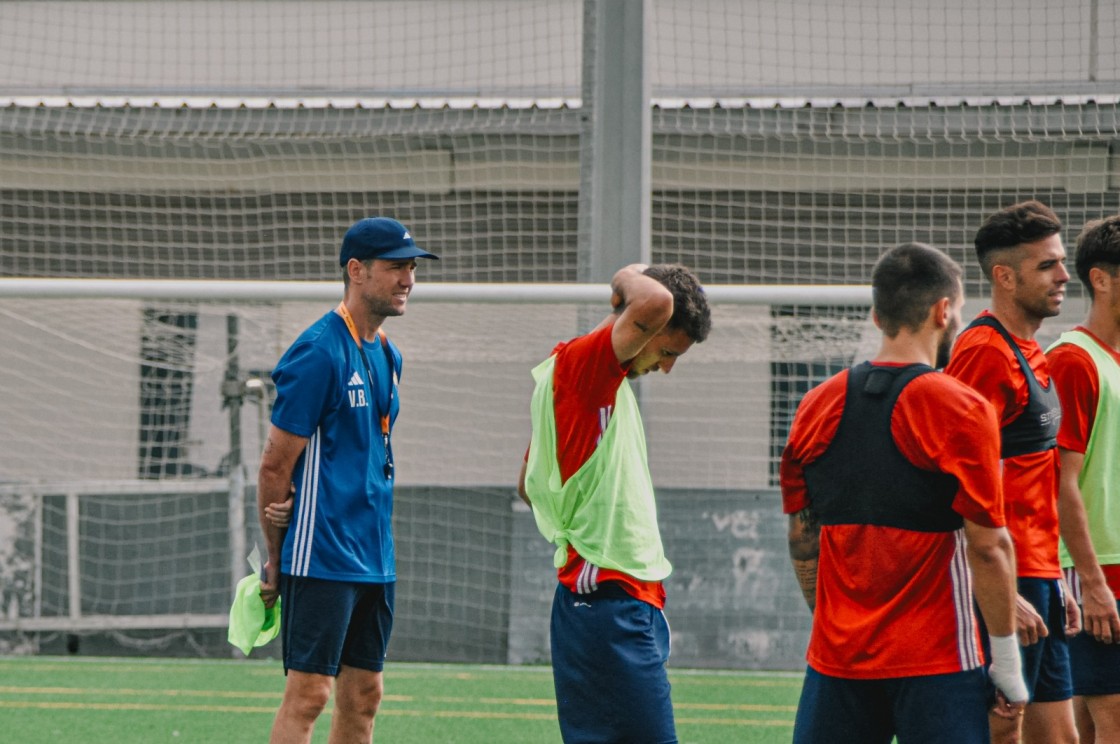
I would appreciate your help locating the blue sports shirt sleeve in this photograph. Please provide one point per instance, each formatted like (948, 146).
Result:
(303, 380)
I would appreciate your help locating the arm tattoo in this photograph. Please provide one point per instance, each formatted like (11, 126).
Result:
(806, 572)
(804, 549)
(805, 541)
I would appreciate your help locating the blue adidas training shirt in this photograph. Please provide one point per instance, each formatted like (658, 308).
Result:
(341, 526)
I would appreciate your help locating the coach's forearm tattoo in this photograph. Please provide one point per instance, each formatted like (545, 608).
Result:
(804, 549)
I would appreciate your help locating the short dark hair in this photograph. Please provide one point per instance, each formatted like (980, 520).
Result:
(1098, 246)
(907, 281)
(1025, 222)
(691, 313)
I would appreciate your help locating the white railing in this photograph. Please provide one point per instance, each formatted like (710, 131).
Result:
(164, 289)
(73, 492)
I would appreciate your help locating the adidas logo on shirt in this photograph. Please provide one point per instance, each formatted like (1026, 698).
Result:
(355, 379)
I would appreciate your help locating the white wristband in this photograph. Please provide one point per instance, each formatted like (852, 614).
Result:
(1006, 670)
(1005, 649)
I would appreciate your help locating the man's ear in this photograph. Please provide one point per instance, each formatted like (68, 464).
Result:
(1003, 276)
(1100, 280)
(354, 270)
(940, 313)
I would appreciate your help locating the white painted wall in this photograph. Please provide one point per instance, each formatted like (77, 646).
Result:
(512, 48)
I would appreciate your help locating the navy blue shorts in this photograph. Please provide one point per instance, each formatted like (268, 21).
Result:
(918, 710)
(608, 664)
(1096, 665)
(1046, 664)
(326, 624)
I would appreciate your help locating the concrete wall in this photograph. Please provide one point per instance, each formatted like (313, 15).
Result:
(532, 48)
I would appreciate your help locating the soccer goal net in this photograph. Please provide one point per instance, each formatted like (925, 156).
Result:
(203, 151)
(134, 424)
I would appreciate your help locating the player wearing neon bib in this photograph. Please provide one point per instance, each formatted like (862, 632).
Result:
(330, 545)
(1020, 251)
(891, 480)
(586, 379)
(586, 476)
(1085, 364)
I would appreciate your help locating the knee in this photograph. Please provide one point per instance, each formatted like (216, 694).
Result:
(1004, 731)
(362, 699)
(307, 701)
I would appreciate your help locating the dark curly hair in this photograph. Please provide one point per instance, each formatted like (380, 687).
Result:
(691, 313)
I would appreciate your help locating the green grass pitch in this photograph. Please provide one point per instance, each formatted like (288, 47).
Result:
(143, 701)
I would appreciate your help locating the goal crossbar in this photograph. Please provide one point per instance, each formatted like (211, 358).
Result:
(739, 294)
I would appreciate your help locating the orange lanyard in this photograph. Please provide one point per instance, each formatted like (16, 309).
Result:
(349, 320)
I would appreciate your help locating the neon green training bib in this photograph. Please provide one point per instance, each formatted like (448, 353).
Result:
(606, 510)
(1100, 470)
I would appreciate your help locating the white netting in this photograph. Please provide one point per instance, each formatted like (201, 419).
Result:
(791, 143)
(123, 389)
(119, 452)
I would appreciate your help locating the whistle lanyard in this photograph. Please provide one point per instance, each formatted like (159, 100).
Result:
(384, 413)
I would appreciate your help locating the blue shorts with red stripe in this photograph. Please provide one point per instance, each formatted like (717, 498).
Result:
(608, 664)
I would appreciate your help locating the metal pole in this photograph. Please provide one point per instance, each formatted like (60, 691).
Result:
(73, 555)
(615, 140)
(231, 392)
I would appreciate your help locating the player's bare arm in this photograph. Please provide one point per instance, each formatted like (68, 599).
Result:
(992, 560)
(643, 304)
(804, 552)
(280, 512)
(1099, 616)
(991, 557)
(274, 482)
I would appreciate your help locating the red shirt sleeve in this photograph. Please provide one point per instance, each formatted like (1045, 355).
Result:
(982, 360)
(585, 380)
(939, 423)
(814, 425)
(1075, 375)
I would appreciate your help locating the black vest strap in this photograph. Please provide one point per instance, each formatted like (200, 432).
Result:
(863, 478)
(1035, 429)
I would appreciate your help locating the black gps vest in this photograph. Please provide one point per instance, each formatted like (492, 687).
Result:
(1035, 429)
(863, 478)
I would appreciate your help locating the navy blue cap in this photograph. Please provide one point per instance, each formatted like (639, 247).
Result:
(379, 237)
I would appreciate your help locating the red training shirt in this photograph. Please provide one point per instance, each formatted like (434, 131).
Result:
(894, 602)
(982, 359)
